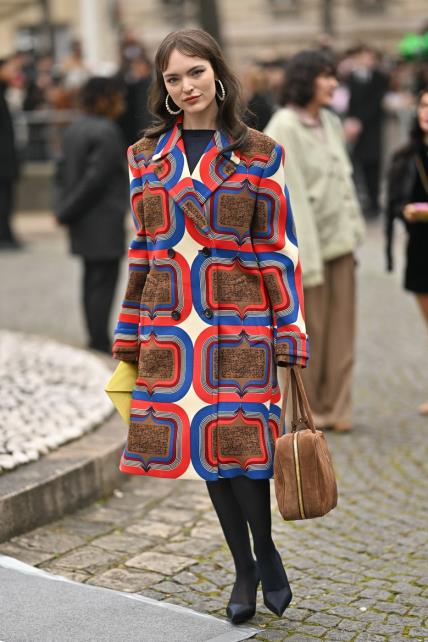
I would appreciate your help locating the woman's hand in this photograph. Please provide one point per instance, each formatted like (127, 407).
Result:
(352, 128)
(416, 212)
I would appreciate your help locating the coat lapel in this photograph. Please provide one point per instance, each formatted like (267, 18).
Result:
(191, 191)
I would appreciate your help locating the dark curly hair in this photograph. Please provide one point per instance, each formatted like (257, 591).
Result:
(96, 88)
(301, 71)
(196, 42)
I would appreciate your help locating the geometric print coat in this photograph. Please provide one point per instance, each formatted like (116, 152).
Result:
(213, 305)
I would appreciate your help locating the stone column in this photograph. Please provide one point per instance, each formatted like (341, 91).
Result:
(99, 35)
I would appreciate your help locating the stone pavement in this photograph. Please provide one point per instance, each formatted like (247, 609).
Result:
(41, 293)
(359, 574)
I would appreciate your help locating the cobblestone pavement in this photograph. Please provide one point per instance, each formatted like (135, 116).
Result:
(359, 574)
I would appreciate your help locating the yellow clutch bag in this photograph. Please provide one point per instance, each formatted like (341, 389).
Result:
(120, 386)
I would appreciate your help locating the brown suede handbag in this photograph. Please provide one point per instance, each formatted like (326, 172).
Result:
(305, 483)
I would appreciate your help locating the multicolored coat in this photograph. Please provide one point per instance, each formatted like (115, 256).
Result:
(213, 305)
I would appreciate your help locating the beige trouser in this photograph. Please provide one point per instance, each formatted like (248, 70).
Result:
(330, 324)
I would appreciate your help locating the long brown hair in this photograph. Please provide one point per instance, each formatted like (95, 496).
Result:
(196, 42)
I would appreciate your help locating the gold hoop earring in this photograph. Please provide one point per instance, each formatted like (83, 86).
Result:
(169, 110)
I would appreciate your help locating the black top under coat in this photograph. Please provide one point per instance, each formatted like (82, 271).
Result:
(195, 143)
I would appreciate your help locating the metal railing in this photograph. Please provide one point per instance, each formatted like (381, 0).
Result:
(38, 133)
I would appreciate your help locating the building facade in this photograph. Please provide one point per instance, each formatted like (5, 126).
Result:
(252, 26)
(249, 28)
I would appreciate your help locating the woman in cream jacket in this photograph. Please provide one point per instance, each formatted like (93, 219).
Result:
(329, 227)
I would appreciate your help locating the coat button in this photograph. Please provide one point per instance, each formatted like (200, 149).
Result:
(208, 313)
(206, 251)
(176, 315)
(171, 253)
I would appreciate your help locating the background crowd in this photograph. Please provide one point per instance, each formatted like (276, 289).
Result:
(375, 99)
(37, 83)
(375, 96)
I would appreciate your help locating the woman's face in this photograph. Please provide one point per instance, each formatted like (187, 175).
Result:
(190, 81)
(324, 88)
(423, 112)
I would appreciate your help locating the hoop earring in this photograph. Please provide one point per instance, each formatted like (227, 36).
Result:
(221, 96)
(168, 108)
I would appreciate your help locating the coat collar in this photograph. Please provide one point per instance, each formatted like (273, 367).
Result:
(191, 191)
(173, 137)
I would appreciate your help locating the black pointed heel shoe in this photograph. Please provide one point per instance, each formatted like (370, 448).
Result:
(238, 612)
(276, 600)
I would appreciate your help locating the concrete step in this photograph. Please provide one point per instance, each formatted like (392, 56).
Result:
(69, 478)
(40, 607)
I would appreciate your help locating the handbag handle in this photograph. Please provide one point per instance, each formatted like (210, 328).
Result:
(299, 414)
(304, 403)
(301, 410)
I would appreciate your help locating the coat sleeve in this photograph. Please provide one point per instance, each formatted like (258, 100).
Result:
(396, 184)
(101, 163)
(278, 257)
(125, 346)
(310, 250)
(389, 221)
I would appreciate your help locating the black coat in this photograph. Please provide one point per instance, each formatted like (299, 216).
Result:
(136, 117)
(400, 183)
(365, 103)
(91, 194)
(8, 155)
(261, 109)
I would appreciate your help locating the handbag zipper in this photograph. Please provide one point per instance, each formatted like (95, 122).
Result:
(298, 474)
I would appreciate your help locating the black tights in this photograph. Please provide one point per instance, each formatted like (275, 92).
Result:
(241, 502)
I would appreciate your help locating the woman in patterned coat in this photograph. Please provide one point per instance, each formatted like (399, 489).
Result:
(213, 303)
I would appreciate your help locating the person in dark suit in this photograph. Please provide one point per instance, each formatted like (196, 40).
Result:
(92, 199)
(367, 87)
(8, 160)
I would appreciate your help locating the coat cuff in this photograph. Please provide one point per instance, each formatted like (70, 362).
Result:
(292, 349)
(125, 347)
(125, 354)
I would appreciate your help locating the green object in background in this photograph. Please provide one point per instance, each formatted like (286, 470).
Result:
(413, 45)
